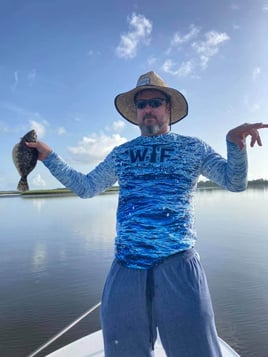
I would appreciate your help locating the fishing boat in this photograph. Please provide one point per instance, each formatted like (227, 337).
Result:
(92, 344)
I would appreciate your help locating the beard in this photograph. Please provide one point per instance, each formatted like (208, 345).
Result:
(150, 128)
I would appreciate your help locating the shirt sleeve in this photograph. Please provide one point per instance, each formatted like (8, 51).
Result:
(84, 185)
(230, 174)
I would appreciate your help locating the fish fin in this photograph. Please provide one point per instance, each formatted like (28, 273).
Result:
(23, 184)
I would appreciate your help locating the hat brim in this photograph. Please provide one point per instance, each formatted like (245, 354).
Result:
(125, 105)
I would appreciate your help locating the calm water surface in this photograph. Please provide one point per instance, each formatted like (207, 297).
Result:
(55, 254)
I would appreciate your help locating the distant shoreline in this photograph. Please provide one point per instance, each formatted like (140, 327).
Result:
(260, 183)
(63, 192)
(57, 192)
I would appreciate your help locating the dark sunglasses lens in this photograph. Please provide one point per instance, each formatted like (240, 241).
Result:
(141, 104)
(155, 103)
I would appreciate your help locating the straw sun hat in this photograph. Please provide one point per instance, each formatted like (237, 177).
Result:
(125, 105)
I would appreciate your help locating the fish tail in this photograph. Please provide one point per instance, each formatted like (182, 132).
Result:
(23, 184)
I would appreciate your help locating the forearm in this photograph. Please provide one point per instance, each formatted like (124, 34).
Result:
(83, 185)
(230, 174)
(237, 167)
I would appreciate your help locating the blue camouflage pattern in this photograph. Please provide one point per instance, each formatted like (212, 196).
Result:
(157, 177)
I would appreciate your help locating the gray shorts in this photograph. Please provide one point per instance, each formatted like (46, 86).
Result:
(172, 297)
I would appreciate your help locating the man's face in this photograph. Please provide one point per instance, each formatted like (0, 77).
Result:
(152, 120)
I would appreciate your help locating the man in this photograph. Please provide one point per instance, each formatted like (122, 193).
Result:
(156, 279)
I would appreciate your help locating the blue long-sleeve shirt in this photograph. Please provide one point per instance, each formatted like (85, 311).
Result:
(157, 177)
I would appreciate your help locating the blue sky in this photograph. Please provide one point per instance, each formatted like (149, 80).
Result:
(62, 62)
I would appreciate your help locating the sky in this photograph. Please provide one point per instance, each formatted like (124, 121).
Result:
(62, 62)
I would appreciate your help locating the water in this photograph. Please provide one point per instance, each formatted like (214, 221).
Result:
(55, 254)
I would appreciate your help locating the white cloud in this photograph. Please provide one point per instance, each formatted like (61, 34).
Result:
(178, 39)
(92, 149)
(255, 73)
(38, 181)
(16, 80)
(182, 70)
(210, 46)
(265, 7)
(151, 61)
(196, 49)
(118, 125)
(140, 29)
(20, 77)
(38, 127)
(61, 130)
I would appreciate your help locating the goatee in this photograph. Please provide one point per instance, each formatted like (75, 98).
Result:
(150, 129)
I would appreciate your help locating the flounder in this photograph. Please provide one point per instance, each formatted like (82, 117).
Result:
(25, 159)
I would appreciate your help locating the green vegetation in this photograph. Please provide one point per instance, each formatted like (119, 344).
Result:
(50, 192)
(57, 191)
(259, 184)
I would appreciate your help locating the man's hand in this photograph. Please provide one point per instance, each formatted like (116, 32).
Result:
(42, 148)
(239, 134)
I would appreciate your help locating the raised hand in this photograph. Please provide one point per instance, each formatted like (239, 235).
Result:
(43, 149)
(239, 134)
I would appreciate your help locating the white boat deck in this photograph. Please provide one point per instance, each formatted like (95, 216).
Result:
(92, 346)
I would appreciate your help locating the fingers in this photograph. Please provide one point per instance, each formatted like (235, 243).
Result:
(259, 140)
(42, 148)
(254, 132)
(255, 137)
(31, 144)
(239, 134)
(254, 125)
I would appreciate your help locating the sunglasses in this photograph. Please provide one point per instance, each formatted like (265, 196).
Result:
(153, 103)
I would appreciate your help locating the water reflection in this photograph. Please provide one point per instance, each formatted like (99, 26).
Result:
(39, 259)
(56, 253)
